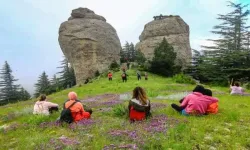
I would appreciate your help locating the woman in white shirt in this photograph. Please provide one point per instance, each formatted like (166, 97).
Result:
(236, 89)
(44, 107)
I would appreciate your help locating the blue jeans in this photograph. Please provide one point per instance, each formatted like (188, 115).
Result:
(184, 113)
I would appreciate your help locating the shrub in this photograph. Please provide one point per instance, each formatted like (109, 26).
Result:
(247, 85)
(182, 78)
(120, 110)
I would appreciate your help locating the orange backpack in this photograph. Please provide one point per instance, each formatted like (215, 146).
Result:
(213, 108)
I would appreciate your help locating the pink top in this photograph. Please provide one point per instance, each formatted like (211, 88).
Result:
(42, 107)
(197, 103)
(236, 90)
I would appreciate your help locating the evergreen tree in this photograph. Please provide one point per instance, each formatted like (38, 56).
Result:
(9, 90)
(163, 62)
(132, 52)
(139, 57)
(43, 85)
(67, 75)
(55, 84)
(23, 94)
(230, 53)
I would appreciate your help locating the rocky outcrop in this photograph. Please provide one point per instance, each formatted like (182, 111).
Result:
(176, 32)
(89, 43)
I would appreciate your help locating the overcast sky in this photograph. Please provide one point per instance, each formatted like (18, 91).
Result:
(29, 28)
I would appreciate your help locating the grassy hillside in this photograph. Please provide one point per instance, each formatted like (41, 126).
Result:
(109, 127)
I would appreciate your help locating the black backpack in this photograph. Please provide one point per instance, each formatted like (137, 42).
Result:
(66, 115)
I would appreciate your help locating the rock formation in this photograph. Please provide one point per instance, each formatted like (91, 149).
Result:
(176, 32)
(89, 43)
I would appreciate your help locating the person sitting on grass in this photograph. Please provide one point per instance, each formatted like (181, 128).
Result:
(195, 103)
(139, 105)
(77, 111)
(212, 108)
(44, 107)
(236, 89)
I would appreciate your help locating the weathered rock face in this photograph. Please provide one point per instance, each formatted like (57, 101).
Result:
(89, 43)
(176, 32)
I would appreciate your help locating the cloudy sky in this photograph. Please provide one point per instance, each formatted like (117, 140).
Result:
(29, 28)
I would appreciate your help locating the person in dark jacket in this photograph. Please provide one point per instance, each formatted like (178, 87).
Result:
(139, 106)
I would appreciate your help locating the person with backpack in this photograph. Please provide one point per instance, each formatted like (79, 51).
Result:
(44, 107)
(124, 77)
(139, 106)
(73, 110)
(110, 76)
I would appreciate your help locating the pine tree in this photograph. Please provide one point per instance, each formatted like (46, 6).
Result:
(9, 90)
(67, 75)
(55, 84)
(139, 57)
(163, 62)
(230, 53)
(23, 94)
(132, 52)
(43, 85)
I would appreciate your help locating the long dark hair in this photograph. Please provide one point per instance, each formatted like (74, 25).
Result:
(140, 94)
(199, 88)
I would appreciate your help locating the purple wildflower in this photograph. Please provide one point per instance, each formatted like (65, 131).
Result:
(50, 124)
(67, 141)
(131, 134)
(126, 146)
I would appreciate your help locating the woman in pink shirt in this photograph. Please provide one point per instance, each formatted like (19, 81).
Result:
(236, 89)
(195, 103)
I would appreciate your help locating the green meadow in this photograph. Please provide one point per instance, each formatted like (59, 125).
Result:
(109, 127)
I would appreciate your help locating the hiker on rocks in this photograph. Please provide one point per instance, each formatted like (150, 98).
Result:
(236, 89)
(77, 111)
(139, 105)
(124, 76)
(195, 103)
(138, 74)
(110, 76)
(146, 76)
(44, 107)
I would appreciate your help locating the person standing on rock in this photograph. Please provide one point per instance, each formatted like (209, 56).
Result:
(110, 76)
